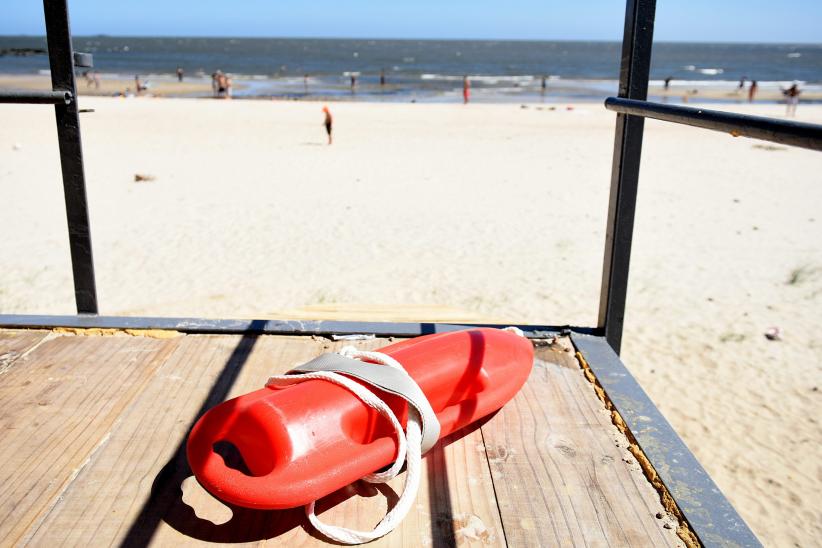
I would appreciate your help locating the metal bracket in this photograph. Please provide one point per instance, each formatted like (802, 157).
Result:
(84, 60)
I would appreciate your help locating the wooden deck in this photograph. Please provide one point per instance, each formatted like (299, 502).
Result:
(94, 428)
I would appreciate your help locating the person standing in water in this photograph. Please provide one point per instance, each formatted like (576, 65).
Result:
(353, 82)
(179, 74)
(544, 84)
(466, 90)
(382, 78)
(752, 91)
(329, 121)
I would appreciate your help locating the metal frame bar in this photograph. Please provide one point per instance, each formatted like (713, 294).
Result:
(633, 84)
(709, 514)
(798, 134)
(46, 97)
(264, 327)
(61, 62)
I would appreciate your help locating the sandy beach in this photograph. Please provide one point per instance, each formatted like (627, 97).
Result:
(445, 212)
(111, 85)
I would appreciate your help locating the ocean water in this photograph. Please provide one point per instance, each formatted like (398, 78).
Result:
(428, 69)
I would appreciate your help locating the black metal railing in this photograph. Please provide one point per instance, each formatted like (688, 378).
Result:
(635, 68)
(35, 97)
(62, 60)
(632, 108)
(785, 132)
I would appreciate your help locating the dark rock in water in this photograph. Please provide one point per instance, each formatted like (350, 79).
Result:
(22, 52)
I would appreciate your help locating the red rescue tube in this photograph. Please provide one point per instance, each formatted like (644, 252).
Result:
(305, 441)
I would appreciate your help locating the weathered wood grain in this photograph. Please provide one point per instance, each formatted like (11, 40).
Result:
(560, 477)
(14, 343)
(57, 408)
(133, 483)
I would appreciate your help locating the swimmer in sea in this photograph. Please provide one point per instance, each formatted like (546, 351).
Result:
(329, 121)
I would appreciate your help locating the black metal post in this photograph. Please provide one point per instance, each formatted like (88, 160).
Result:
(633, 84)
(61, 62)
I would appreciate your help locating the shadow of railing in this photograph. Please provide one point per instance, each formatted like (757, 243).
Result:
(165, 499)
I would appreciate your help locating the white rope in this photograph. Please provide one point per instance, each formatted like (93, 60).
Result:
(409, 448)
(409, 445)
(515, 330)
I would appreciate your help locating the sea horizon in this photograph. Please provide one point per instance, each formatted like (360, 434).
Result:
(412, 39)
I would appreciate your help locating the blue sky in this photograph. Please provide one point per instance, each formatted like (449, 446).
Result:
(677, 20)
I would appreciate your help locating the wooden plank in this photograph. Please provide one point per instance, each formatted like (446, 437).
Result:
(111, 500)
(133, 483)
(58, 406)
(14, 343)
(561, 471)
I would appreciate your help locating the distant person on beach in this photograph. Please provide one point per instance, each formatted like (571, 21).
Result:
(544, 84)
(466, 90)
(752, 91)
(688, 94)
(382, 78)
(219, 84)
(214, 83)
(179, 74)
(92, 79)
(329, 122)
(791, 99)
(741, 85)
(138, 85)
(353, 82)
(668, 82)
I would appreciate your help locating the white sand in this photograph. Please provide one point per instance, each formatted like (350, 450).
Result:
(492, 211)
